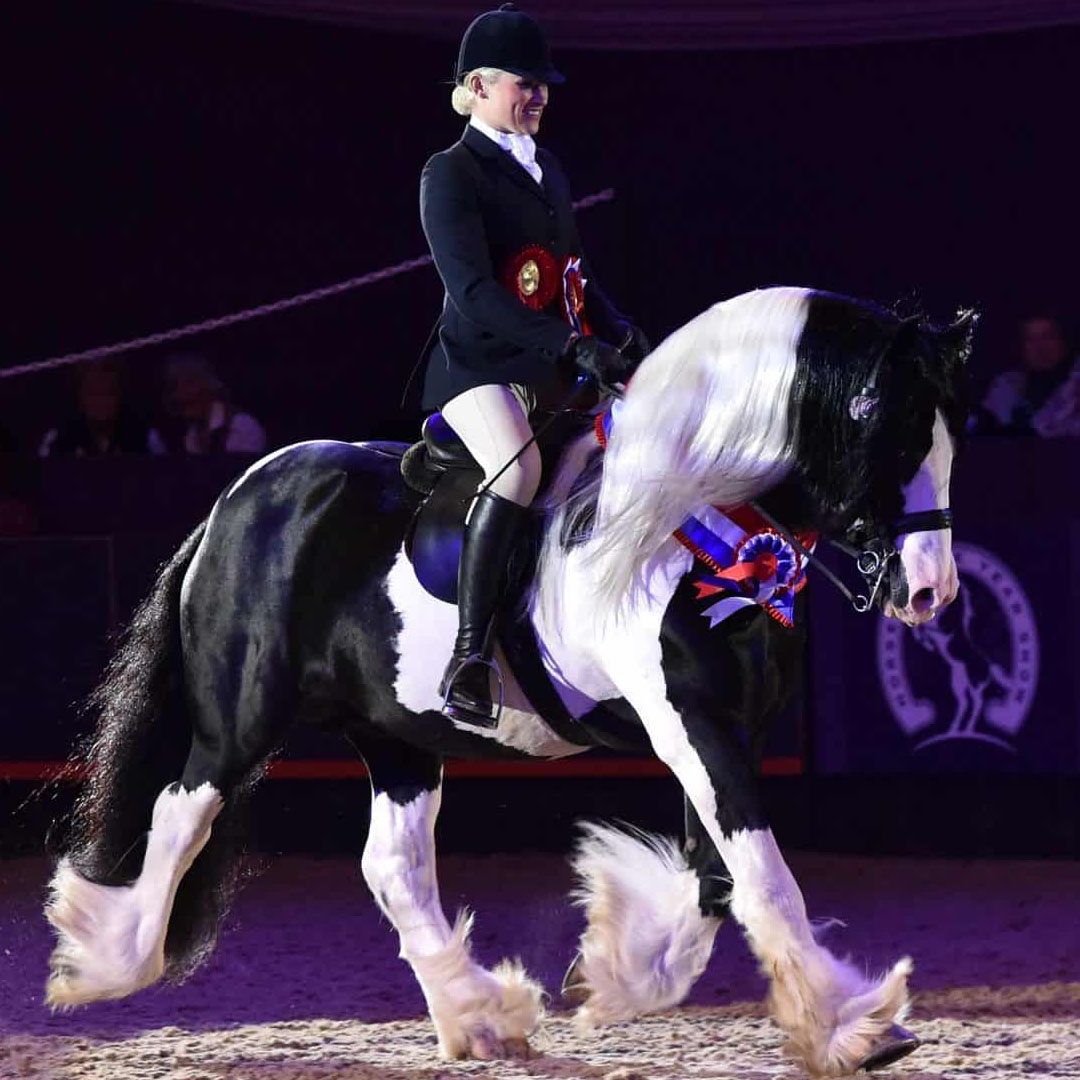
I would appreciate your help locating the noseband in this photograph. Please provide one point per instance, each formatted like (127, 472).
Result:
(872, 560)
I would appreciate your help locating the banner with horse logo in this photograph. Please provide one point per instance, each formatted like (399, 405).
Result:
(990, 685)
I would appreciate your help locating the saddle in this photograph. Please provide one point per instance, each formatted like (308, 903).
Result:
(445, 473)
(440, 468)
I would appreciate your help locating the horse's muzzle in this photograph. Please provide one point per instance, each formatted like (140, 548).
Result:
(923, 604)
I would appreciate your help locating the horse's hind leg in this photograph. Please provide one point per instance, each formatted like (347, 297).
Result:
(115, 939)
(477, 1013)
(111, 938)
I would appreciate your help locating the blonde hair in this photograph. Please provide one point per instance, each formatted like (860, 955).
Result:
(462, 98)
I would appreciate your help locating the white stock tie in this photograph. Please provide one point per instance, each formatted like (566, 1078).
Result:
(523, 150)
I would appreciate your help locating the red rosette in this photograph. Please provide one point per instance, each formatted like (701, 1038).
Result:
(574, 294)
(532, 275)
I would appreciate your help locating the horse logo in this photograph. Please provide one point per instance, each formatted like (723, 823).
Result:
(985, 667)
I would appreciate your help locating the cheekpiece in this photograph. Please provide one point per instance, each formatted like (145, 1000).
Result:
(509, 40)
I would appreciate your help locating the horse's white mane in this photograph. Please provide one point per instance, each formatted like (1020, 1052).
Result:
(704, 421)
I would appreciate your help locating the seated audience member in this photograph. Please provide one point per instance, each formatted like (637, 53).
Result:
(1043, 396)
(101, 421)
(197, 399)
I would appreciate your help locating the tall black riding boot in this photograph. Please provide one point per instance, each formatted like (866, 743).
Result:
(490, 536)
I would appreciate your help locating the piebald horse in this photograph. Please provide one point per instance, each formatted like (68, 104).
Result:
(664, 611)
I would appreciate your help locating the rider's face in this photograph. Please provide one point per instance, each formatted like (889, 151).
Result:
(512, 103)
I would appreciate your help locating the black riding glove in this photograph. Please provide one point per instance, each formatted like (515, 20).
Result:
(599, 360)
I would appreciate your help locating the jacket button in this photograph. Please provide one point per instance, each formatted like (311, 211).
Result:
(551, 212)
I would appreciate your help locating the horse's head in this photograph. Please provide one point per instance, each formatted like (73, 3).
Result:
(886, 423)
(851, 408)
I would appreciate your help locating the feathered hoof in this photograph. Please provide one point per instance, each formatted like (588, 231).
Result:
(647, 941)
(575, 987)
(77, 977)
(498, 1026)
(69, 986)
(478, 1014)
(94, 958)
(852, 1024)
(895, 1044)
(483, 1044)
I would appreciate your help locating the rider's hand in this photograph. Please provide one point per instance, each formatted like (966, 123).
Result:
(601, 361)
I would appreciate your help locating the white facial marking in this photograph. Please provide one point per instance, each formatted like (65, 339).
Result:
(927, 556)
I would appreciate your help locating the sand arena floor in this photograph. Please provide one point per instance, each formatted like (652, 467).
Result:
(306, 984)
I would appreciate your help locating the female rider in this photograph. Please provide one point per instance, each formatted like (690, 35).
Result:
(520, 306)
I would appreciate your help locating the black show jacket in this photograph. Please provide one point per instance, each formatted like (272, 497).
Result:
(479, 209)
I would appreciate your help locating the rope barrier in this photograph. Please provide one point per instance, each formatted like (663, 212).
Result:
(189, 330)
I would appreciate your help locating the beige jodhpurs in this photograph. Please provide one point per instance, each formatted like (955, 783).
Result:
(492, 422)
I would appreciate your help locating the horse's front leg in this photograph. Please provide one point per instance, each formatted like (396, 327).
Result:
(836, 1019)
(477, 1013)
(652, 914)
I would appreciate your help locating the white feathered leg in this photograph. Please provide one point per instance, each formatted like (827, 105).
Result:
(477, 1013)
(111, 938)
(833, 1015)
(646, 942)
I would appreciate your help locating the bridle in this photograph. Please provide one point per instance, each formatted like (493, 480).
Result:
(873, 560)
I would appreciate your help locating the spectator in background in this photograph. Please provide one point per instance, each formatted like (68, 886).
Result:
(1043, 396)
(100, 421)
(196, 398)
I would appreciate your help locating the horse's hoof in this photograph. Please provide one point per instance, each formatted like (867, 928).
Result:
(518, 1049)
(574, 989)
(485, 1045)
(895, 1044)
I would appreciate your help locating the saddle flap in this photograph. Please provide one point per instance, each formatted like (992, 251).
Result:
(434, 543)
(441, 468)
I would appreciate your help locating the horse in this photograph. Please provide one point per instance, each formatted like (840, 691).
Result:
(296, 602)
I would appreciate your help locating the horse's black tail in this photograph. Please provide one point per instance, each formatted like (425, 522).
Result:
(139, 747)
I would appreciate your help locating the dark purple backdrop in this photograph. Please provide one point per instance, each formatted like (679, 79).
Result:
(172, 162)
(168, 163)
(685, 24)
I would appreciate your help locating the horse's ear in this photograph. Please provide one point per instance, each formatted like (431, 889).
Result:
(957, 338)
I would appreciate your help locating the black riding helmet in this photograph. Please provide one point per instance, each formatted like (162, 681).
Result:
(509, 40)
